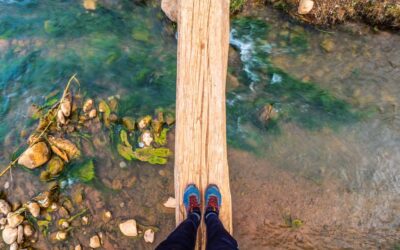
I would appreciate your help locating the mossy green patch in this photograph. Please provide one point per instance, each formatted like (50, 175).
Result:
(303, 103)
(237, 5)
(83, 171)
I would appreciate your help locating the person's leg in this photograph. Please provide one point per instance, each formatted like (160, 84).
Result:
(217, 236)
(184, 236)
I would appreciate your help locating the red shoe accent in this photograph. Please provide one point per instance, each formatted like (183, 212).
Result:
(213, 204)
(193, 203)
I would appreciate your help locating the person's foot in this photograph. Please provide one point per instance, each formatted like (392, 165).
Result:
(191, 200)
(213, 199)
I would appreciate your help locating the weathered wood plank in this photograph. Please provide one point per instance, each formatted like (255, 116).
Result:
(201, 151)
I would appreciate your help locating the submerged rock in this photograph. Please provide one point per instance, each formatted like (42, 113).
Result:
(305, 6)
(9, 235)
(266, 113)
(149, 236)
(170, 8)
(170, 203)
(327, 45)
(14, 246)
(128, 228)
(144, 122)
(129, 123)
(66, 146)
(34, 209)
(59, 236)
(146, 139)
(28, 230)
(66, 105)
(20, 236)
(61, 118)
(95, 242)
(55, 166)
(88, 105)
(43, 199)
(92, 113)
(89, 4)
(5, 208)
(14, 219)
(35, 156)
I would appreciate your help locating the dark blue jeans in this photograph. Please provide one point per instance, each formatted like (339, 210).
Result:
(184, 236)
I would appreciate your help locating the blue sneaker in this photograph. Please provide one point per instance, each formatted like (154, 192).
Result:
(191, 199)
(213, 199)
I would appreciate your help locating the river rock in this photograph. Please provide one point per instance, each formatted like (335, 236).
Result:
(170, 8)
(92, 113)
(61, 236)
(89, 4)
(128, 228)
(66, 105)
(34, 209)
(129, 123)
(5, 208)
(95, 242)
(61, 118)
(305, 6)
(146, 139)
(14, 219)
(20, 235)
(14, 246)
(3, 221)
(327, 45)
(28, 230)
(170, 203)
(9, 235)
(149, 236)
(88, 105)
(35, 156)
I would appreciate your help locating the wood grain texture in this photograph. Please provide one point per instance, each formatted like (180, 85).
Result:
(200, 146)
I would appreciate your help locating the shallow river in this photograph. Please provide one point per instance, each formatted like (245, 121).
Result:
(313, 122)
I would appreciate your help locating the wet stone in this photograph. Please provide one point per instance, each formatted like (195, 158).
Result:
(116, 184)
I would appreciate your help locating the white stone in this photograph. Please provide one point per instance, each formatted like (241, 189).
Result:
(122, 164)
(128, 228)
(14, 219)
(34, 209)
(149, 236)
(14, 246)
(5, 208)
(170, 203)
(92, 113)
(28, 230)
(170, 8)
(20, 235)
(305, 6)
(95, 242)
(9, 235)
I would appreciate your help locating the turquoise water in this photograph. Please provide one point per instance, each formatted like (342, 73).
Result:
(325, 152)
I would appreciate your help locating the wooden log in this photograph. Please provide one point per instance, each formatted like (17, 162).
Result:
(200, 143)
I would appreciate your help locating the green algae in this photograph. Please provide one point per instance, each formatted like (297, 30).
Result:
(236, 5)
(82, 171)
(294, 101)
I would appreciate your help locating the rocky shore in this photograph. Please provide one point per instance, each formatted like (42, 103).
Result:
(380, 14)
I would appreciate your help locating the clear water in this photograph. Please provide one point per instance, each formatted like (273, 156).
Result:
(322, 173)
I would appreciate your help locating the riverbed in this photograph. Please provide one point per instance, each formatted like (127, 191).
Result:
(318, 169)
